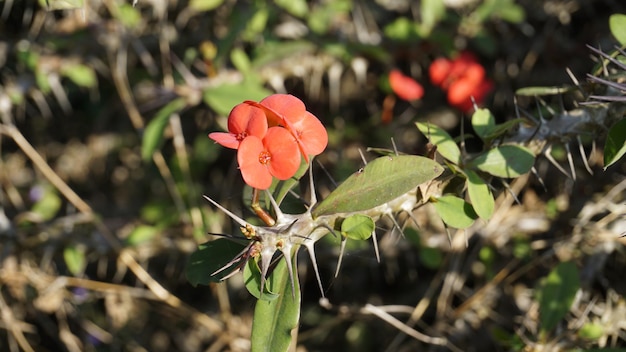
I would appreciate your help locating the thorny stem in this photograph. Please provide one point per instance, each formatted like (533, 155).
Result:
(259, 211)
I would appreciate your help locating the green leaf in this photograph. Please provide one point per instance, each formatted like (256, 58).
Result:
(454, 211)
(617, 23)
(543, 91)
(48, 205)
(74, 258)
(382, 180)
(153, 134)
(204, 5)
(556, 294)
(402, 29)
(445, 144)
(274, 320)
(480, 195)
(283, 187)
(128, 15)
(357, 227)
(223, 98)
(240, 60)
(252, 280)
(507, 161)
(501, 129)
(141, 234)
(615, 145)
(82, 75)
(298, 8)
(591, 331)
(432, 12)
(483, 123)
(210, 257)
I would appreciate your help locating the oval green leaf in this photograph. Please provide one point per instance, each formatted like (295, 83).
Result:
(445, 144)
(507, 161)
(615, 146)
(617, 23)
(483, 123)
(74, 259)
(211, 257)
(153, 134)
(357, 227)
(556, 294)
(480, 195)
(223, 98)
(455, 212)
(382, 180)
(141, 234)
(252, 280)
(274, 320)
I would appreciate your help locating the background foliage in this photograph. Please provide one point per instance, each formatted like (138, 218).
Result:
(105, 108)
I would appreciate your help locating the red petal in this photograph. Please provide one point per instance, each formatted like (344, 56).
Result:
(244, 118)
(227, 140)
(311, 134)
(404, 86)
(285, 157)
(286, 106)
(253, 172)
(439, 71)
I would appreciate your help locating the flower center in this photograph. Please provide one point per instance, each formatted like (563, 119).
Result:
(265, 157)
(240, 136)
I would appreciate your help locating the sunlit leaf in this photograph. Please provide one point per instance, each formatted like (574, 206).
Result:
(298, 8)
(615, 145)
(592, 331)
(128, 15)
(82, 75)
(480, 195)
(357, 227)
(483, 122)
(274, 320)
(252, 280)
(382, 180)
(75, 260)
(223, 98)
(204, 5)
(543, 91)
(48, 204)
(240, 60)
(432, 11)
(209, 258)
(617, 23)
(556, 294)
(506, 161)
(454, 211)
(153, 134)
(141, 234)
(445, 144)
(402, 29)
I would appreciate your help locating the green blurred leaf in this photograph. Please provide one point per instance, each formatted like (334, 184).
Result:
(507, 161)
(402, 29)
(210, 257)
(556, 294)
(617, 23)
(153, 134)
(544, 91)
(432, 12)
(223, 98)
(141, 234)
(591, 331)
(252, 280)
(382, 180)
(204, 5)
(445, 144)
(455, 212)
(357, 227)
(274, 320)
(298, 8)
(240, 60)
(483, 122)
(615, 145)
(431, 257)
(82, 75)
(128, 15)
(75, 260)
(480, 195)
(500, 129)
(61, 4)
(48, 205)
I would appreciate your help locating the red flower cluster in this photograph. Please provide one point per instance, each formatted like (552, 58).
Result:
(405, 87)
(270, 136)
(463, 78)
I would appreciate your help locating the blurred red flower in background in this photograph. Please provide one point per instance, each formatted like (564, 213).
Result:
(462, 78)
(405, 87)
